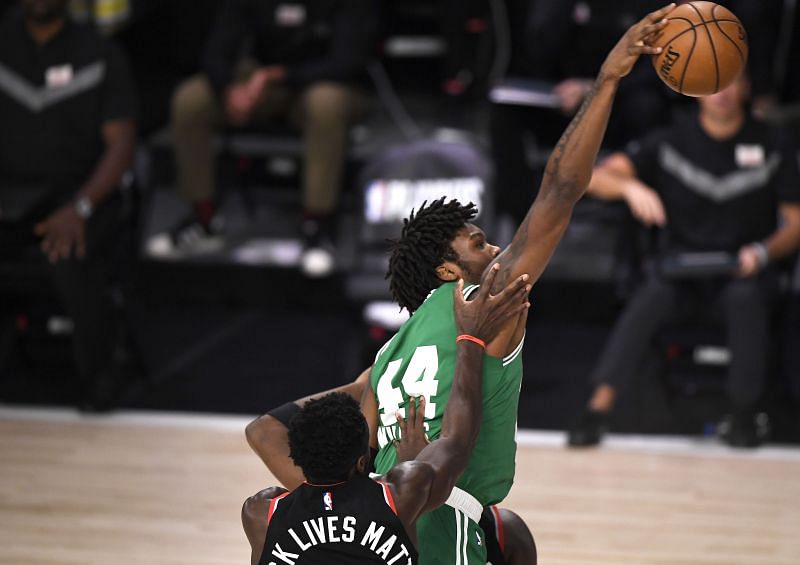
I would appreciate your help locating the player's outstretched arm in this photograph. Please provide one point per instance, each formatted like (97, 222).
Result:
(425, 483)
(268, 436)
(569, 168)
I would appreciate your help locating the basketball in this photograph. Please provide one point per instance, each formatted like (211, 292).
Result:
(704, 49)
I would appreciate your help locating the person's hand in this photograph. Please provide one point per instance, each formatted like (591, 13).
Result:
(263, 78)
(239, 104)
(485, 315)
(749, 263)
(625, 53)
(645, 204)
(413, 438)
(63, 233)
(571, 93)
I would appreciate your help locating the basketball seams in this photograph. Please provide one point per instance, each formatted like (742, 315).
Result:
(722, 31)
(710, 43)
(693, 78)
(677, 35)
(688, 60)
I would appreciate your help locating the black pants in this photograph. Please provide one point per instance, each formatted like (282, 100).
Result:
(80, 284)
(743, 305)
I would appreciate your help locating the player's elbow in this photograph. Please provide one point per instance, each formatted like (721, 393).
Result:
(257, 432)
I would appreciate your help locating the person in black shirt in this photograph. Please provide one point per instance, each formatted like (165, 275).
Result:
(308, 59)
(357, 519)
(560, 44)
(721, 182)
(67, 110)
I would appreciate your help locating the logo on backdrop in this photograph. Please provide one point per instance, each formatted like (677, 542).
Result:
(391, 200)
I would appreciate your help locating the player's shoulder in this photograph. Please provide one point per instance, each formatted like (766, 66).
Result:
(443, 295)
(258, 504)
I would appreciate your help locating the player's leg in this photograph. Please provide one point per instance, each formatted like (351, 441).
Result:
(268, 435)
(520, 548)
(508, 539)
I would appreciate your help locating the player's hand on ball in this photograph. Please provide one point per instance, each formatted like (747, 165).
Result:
(623, 56)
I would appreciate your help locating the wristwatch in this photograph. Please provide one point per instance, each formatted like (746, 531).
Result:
(84, 207)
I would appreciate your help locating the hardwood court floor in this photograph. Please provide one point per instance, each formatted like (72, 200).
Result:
(156, 489)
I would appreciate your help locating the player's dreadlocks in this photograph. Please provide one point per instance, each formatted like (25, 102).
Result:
(425, 242)
(327, 437)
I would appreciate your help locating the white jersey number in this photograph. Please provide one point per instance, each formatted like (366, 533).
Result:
(418, 380)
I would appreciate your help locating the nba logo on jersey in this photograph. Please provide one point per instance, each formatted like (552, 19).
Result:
(327, 501)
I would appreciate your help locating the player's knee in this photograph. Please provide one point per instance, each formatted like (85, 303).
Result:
(327, 102)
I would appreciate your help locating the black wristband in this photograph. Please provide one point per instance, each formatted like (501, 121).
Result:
(284, 413)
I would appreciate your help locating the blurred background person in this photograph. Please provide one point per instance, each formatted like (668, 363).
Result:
(67, 107)
(557, 47)
(305, 66)
(719, 181)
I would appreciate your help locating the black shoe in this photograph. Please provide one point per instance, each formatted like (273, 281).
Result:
(318, 259)
(101, 397)
(188, 237)
(589, 430)
(744, 429)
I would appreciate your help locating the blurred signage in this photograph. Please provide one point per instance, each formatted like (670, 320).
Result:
(391, 200)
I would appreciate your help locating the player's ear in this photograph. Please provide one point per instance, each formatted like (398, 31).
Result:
(448, 272)
(362, 465)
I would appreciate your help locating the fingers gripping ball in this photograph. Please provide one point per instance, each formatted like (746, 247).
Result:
(704, 49)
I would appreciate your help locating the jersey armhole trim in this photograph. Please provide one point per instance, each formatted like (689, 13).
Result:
(273, 504)
(498, 529)
(508, 359)
(387, 496)
(469, 290)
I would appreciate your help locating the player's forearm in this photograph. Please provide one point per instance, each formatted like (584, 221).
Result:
(569, 168)
(269, 439)
(462, 416)
(449, 455)
(786, 239)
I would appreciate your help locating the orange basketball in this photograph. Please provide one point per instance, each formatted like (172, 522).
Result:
(704, 49)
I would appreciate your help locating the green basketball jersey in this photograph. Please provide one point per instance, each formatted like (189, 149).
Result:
(420, 360)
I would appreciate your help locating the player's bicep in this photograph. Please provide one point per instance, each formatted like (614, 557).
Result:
(535, 240)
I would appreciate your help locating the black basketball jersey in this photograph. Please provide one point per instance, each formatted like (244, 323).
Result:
(354, 522)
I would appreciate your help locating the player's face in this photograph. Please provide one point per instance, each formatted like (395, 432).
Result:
(474, 253)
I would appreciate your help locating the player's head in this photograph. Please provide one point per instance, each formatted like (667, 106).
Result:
(44, 11)
(438, 244)
(729, 103)
(329, 439)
